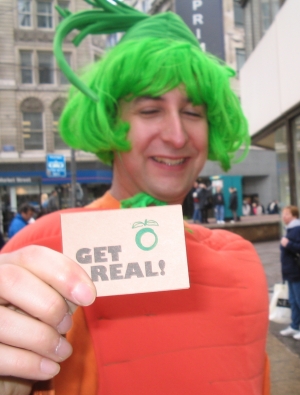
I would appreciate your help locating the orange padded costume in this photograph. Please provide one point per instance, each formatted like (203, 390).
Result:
(209, 339)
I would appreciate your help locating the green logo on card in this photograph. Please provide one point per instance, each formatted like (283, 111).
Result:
(146, 239)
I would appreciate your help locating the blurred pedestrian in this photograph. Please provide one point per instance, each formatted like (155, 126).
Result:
(202, 194)
(21, 219)
(246, 207)
(196, 212)
(290, 247)
(233, 203)
(218, 203)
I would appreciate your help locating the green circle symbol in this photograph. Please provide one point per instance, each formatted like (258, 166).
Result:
(139, 235)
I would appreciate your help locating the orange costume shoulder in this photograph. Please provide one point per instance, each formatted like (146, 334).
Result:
(208, 339)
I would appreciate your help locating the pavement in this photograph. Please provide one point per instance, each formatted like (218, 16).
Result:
(284, 352)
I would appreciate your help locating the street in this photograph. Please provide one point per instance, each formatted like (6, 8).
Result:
(283, 352)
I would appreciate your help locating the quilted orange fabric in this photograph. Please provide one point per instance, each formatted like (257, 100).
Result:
(209, 339)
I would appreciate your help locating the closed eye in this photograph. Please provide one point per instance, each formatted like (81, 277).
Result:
(193, 114)
(150, 111)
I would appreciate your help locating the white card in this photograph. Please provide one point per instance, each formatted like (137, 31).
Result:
(129, 251)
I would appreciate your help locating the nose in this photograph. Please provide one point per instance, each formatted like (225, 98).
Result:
(173, 131)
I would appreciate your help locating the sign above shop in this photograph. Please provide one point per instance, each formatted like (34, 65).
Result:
(205, 19)
(10, 181)
(56, 165)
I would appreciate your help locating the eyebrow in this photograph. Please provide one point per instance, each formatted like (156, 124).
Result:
(155, 98)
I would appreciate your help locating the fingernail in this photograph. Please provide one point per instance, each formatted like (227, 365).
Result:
(83, 294)
(49, 368)
(64, 349)
(65, 324)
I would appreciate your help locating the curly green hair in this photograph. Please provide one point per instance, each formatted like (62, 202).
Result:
(146, 64)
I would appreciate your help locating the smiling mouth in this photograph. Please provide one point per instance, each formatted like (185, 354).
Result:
(168, 161)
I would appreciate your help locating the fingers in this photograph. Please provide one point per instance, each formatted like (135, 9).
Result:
(31, 295)
(39, 289)
(32, 335)
(13, 385)
(25, 364)
(55, 269)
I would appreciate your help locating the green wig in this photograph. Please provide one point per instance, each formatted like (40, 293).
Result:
(157, 54)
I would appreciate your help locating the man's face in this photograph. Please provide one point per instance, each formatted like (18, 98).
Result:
(27, 215)
(287, 216)
(169, 147)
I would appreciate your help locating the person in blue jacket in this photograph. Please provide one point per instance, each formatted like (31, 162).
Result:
(290, 246)
(21, 219)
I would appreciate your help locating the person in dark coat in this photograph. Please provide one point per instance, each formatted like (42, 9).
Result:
(289, 247)
(218, 203)
(233, 203)
(196, 212)
(202, 196)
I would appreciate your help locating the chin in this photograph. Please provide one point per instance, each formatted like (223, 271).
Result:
(168, 196)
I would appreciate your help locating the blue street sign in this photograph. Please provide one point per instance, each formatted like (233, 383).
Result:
(56, 165)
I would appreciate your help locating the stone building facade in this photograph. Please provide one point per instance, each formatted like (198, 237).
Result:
(32, 94)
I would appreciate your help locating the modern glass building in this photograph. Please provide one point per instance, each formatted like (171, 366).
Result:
(270, 86)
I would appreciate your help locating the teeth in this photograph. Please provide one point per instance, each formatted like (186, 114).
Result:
(168, 161)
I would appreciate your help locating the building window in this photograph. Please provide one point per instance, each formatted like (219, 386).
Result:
(45, 67)
(269, 9)
(282, 165)
(32, 124)
(240, 59)
(59, 144)
(26, 67)
(39, 67)
(24, 13)
(62, 78)
(266, 15)
(44, 14)
(112, 40)
(64, 5)
(275, 5)
(296, 145)
(57, 107)
(238, 14)
(33, 136)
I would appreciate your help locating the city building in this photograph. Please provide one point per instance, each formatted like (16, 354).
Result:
(270, 86)
(258, 170)
(32, 95)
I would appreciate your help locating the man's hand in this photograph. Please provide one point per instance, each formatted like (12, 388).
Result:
(39, 291)
(284, 241)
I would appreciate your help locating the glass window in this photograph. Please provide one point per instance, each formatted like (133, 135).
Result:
(26, 67)
(266, 15)
(275, 4)
(24, 13)
(58, 141)
(282, 166)
(44, 14)
(240, 58)
(111, 40)
(238, 14)
(296, 145)
(65, 5)
(62, 78)
(33, 131)
(46, 74)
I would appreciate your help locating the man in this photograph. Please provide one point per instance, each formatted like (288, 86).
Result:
(218, 202)
(233, 203)
(196, 207)
(21, 219)
(146, 110)
(289, 247)
(202, 196)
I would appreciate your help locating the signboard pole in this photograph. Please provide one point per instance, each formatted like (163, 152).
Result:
(73, 178)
